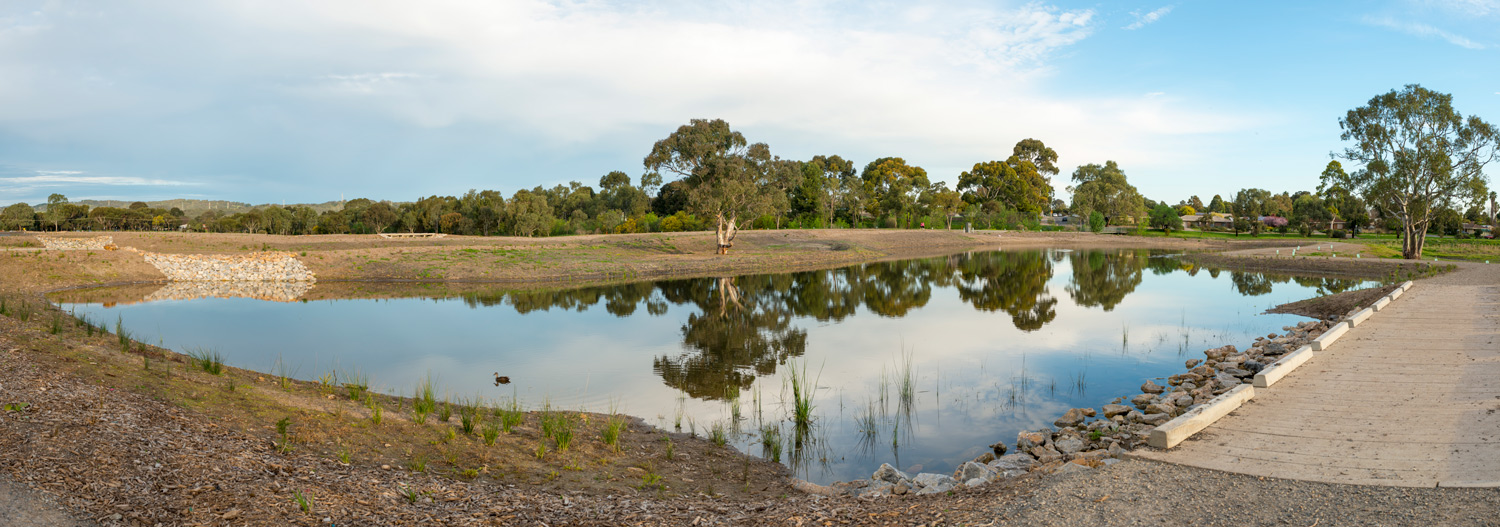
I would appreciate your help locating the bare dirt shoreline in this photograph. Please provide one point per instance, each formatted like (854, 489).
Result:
(119, 444)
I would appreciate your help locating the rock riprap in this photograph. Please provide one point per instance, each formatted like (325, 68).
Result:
(69, 243)
(253, 267)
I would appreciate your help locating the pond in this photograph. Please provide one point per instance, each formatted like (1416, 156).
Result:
(918, 363)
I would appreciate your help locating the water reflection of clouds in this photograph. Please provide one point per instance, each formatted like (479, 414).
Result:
(991, 355)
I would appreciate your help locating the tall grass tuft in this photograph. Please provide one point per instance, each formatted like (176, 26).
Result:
(681, 408)
(490, 431)
(208, 359)
(423, 402)
(869, 423)
(122, 335)
(283, 374)
(612, 429)
(803, 390)
(718, 434)
(304, 501)
(770, 442)
(906, 380)
(734, 405)
(468, 416)
(446, 411)
(357, 383)
(559, 427)
(56, 324)
(510, 416)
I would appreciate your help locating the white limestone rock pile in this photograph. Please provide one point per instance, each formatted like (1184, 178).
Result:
(92, 243)
(254, 267)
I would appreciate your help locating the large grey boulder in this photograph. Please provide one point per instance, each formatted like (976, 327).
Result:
(1025, 441)
(972, 470)
(889, 474)
(1182, 400)
(1013, 462)
(1073, 417)
(934, 483)
(1111, 410)
(1156, 419)
(878, 488)
(1070, 445)
(1152, 388)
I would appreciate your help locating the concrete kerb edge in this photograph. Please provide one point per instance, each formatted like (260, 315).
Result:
(1329, 337)
(1469, 484)
(1406, 285)
(1360, 317)
(1177, 430)
(1282, 367)
(1380, 304)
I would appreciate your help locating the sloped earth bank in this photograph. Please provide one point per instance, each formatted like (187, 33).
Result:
(116, 448)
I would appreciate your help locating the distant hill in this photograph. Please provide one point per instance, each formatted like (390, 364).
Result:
(194, 207)
(190, 206)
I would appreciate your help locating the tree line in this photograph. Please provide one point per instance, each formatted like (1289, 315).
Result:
(1420, 167)
(722, 182)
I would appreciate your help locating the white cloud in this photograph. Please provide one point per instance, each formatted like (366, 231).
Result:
(366, 82)
(1146, 19)
(1469, 7)
(326, 85)
(58, 178)
(1423, 30)
(31, 188)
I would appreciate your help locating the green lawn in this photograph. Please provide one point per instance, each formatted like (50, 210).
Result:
(1230, 236)
(1443, 248)
(1380, 245)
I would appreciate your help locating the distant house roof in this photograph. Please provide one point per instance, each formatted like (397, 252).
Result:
(1213, 217)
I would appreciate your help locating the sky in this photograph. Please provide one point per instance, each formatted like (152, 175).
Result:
(269, 101)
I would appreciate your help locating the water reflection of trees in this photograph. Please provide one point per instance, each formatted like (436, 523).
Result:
(1256, 284)
(1015, 283)
(1103, 279)
(744, 327)
(741, 333)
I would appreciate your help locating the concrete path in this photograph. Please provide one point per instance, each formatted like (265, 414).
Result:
(1409, 398)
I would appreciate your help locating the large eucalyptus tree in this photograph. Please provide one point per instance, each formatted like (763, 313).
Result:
(1419, 156)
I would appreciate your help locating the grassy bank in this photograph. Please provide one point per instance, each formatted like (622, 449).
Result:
(1379, 245)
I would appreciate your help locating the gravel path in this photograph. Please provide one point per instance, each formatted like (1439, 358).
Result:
(1140, 492)
(21, 507)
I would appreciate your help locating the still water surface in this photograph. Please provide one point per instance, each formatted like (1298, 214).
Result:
(993, 342)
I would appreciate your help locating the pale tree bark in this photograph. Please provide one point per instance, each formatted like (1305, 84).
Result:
(725, 231)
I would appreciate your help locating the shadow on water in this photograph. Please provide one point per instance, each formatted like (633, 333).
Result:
(917, 369)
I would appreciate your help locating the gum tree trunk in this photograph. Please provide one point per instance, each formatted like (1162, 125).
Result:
(725, 232)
